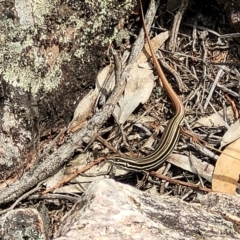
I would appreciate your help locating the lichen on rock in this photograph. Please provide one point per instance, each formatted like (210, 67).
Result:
(48, 49)
(42, 35)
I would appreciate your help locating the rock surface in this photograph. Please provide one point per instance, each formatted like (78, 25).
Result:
(111, 210)
(22, 224)
(50, 53)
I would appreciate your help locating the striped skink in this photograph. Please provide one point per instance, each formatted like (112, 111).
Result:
(171, 132)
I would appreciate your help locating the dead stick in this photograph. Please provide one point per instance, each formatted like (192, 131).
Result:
(178, 182)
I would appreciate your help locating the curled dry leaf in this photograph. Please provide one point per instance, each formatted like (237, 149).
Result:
(227, 169)
(156, 42)
(137, 91)
(85, 106)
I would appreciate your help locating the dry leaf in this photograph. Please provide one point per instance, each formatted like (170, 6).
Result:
(227, 169)
(231, 135)
(204, 169)
(215, 120)
(85, 106)
(137, 91)
(77, 163)
(53, 180)
(150, 141)
(156, 42)
(70, 188)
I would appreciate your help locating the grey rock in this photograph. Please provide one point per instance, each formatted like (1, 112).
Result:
(22, 224)
(111, 210)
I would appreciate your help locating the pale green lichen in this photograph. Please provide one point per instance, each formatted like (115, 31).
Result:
(10, 54)
(40, 8)
(16, 42)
